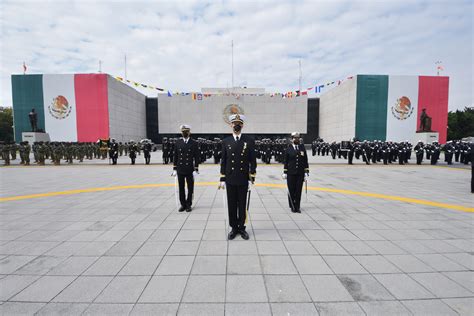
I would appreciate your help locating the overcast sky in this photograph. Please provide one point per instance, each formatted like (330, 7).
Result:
(186, 45)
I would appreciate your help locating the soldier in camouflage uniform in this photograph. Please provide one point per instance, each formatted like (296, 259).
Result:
(22, 154)
(5, 148)
(47, 150)
(57, 153)
(26, 153)
(13, 150)
(41, 148)
(80, 152)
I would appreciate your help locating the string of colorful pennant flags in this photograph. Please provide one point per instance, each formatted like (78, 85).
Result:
(199, 96)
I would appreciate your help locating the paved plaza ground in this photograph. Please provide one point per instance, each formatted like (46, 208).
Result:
(95, 239)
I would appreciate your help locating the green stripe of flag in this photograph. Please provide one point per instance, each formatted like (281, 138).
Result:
(27, 93)
(371, 107)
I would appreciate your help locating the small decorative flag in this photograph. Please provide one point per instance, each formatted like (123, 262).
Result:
(24, 68)
(194, 96)
(304, 93)
(199, 96)
(119, 78)
(169, 93)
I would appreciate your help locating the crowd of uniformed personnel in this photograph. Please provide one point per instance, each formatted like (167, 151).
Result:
(370, 152)
(388, 152)
(207, 149)
(67, 152)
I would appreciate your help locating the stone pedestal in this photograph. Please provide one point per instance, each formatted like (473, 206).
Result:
(32, 137)
(426, 137)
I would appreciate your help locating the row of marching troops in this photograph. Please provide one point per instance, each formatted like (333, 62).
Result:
(391, 152)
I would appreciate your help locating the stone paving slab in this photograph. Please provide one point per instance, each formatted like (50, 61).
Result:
(129, 252)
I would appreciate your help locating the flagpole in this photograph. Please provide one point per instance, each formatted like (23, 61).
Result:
(438, 63)
(300, 77)
(232, 65)
(125, 64)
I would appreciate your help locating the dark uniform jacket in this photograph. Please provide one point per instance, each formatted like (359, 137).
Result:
(113, 150)
(296, 161)
(186, 156)
(239, 160)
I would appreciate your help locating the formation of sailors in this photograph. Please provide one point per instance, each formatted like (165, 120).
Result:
(207, 149)
(388, 152)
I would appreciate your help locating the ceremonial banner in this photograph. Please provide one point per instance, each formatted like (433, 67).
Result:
(389, 107)
(69, 107)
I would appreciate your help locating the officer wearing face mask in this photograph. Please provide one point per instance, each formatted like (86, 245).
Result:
(295, 171)
(186, 166)
(238, 171)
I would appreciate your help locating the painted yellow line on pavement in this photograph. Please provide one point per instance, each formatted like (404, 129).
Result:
(269, 185)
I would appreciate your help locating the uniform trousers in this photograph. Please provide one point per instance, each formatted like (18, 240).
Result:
(236, 205)
(295, 187)
(186, 201)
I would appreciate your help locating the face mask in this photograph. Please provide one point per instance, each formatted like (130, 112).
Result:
(185, 134)
(237, 128)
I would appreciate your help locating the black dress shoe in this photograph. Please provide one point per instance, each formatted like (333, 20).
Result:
(189, 209)
(297, 210)
(181, 209)
(232, 234)
(244, 234)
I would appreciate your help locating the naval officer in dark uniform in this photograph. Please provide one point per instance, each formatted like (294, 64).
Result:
(186, 166)
(238, 171)
(295, 171)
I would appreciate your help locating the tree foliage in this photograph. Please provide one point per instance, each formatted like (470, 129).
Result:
(461, 123)
(6, 124)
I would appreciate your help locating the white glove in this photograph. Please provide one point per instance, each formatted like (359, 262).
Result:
(221, 185)
(306, 177)
(195, 173)
(283, 175)
(250, 183)
(173, 174)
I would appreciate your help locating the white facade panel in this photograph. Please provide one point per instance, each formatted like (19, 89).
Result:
(264, 114)
(127, 112)
(337, 111)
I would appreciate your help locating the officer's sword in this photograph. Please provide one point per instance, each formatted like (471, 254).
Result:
(249, 192)
(289, 197)
(306, 189)
(223, 196)
(176, 190)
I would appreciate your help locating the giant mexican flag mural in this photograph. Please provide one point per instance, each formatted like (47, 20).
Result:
(389, 107)
(70, 107)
